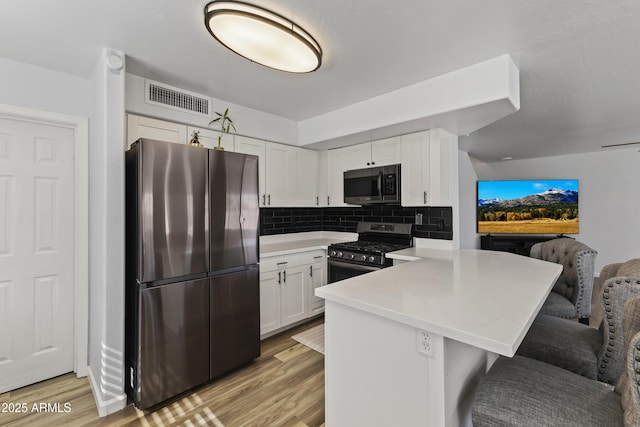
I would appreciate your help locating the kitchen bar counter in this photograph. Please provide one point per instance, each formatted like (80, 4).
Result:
(462, 307)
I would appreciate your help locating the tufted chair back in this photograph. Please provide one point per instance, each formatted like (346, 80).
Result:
(628, 269)
(578, 262)
(616, 294)
(629, 384)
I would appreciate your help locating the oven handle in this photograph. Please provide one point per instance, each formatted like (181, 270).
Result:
(380, 185)
(353, 266)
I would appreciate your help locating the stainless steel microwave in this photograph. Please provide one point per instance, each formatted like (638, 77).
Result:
(372, 185)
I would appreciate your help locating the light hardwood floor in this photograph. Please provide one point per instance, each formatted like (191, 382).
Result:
(284, 387)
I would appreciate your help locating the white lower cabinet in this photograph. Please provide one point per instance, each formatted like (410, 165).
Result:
(318, 273)
(287, 285)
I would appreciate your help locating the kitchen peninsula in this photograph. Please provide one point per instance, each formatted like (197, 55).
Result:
(407, 345)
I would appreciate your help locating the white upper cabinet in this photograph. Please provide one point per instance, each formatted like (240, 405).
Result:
(336, 165)
(144, 127)
(280, 175)
(370, 154)
(376, 153)
(386, 151)
(356, 156)
(291, 177)
(209, 138)
(256, 147)
(427, 168)
(306, 183)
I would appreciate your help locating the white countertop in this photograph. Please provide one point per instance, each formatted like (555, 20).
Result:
(482, 298)
(416, 253)
(286, 244)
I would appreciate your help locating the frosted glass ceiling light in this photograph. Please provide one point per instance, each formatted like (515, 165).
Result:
(262, 36)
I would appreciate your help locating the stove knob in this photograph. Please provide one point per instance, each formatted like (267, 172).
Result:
(333, 253)
(364, 257)
(372, 258)
(352, 256)
(339, 254)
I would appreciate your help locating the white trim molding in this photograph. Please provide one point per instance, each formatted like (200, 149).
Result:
(80, 125)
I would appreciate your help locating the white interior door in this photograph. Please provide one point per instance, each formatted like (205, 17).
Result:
(37, 235)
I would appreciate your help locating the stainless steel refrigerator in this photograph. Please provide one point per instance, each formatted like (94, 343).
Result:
(192, 274)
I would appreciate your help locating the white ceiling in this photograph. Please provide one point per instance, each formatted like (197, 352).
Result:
(579, 60)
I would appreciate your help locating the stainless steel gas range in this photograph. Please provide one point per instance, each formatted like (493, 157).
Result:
(367, 254)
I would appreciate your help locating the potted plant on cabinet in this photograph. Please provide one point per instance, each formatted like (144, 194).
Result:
(226, 124)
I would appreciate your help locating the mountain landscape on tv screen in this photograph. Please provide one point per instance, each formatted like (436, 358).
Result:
(546, 198)
(551, 211)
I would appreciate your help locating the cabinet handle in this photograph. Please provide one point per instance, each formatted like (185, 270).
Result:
(283, 263)
(425, 197)
(310, 271)
(284, 276)
(373, 163)
(269, 199)
(368, 163)
(264, 200)
(318, 257)
(317, 200)
(279, 277)
(328, 201)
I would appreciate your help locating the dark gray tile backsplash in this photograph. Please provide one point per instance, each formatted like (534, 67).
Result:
(436, 221)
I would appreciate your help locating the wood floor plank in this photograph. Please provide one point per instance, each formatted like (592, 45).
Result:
(283, 387)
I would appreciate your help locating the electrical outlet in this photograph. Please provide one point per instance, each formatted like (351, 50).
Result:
(423, 342)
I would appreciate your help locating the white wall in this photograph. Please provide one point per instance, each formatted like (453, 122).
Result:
(29, 86)
(248, 122)
(467, 178)
(608, 200)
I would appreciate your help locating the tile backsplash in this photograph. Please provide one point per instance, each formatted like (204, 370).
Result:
(436, 221)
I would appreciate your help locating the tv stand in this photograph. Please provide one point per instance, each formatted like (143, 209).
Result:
(520, 245)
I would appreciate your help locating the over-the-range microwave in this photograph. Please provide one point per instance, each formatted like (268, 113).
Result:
(380, 184)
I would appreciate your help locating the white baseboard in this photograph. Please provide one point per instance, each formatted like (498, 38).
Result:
(109, 406)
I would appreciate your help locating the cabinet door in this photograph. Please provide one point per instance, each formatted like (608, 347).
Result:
(442, 166)
(294, 294)
(209, 138)
(257, 148)
(386, 151)
(428, 159)
(336, 165)
(305, 183)
(144, 127)
(270, 306)
(415, 169)
(279, 176)
(317, 278)
(357, 156)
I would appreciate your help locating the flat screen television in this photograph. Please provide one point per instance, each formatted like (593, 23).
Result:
(539, 206)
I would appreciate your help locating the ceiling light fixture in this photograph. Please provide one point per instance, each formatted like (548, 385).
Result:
(262, 36)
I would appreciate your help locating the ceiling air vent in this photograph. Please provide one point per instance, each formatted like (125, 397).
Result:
(177, 99)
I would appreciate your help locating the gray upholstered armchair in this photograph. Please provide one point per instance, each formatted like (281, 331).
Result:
(594, 353)
(571, 294)
(520, 391)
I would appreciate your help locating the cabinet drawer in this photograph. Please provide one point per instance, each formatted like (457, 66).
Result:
(286, 261)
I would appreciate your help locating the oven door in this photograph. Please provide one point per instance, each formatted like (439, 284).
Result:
(340, 270)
